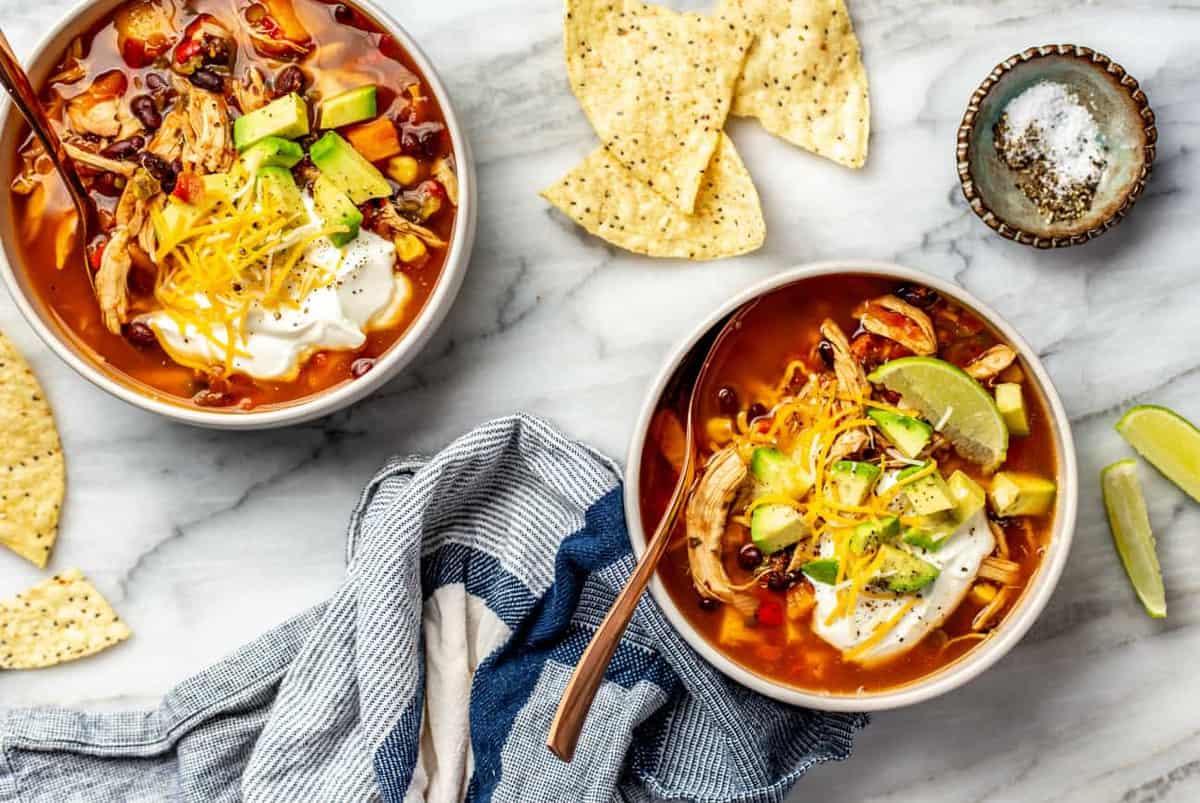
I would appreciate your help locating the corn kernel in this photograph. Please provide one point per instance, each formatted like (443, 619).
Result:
(720, 430)
(983, 593)
(410, 248)
(404, 169)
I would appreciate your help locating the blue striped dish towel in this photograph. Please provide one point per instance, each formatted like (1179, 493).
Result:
(474, 581)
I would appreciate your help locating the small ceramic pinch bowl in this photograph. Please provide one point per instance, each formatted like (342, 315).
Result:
(1126, 129)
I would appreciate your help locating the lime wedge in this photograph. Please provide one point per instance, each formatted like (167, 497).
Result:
(1131, 533)
(1168, 440)
(953, 402)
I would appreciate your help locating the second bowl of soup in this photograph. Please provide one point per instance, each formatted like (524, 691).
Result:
(885, 495)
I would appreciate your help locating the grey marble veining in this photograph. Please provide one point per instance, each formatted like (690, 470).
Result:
(204, 539)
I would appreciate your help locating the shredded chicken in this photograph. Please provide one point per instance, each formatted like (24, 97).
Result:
(443, 171)
(207, 136)
(97, 161)
(95, 114)
(852, 381)
(34, 164)
(397, 226)
(167, 142)
(984, 618)
(706, 518)
(895, 319)
(991, 362)
(251, 91)
(1000, 570)
(112, 291)
(846, 444)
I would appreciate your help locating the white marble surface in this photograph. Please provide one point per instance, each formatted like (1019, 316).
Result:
(204, 539)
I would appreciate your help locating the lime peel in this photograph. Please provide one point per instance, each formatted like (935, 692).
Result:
(1168, 441)
(1132, 535)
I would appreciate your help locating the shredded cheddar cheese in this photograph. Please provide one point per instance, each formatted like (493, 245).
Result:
(880, 632)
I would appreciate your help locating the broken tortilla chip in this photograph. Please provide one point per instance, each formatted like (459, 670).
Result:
(804, 77)
(32, 477)
(59, 620)
(656, 85)
(611, 203)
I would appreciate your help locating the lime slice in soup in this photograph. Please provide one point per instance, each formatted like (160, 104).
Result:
(1168, 440)
(1131, 532)
(953, 402)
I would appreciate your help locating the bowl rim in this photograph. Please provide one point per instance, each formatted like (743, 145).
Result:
(1018, 622)
(324, 402)
(1133, 192)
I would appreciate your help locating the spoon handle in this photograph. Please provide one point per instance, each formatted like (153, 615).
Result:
(589, 672)
(16, 83)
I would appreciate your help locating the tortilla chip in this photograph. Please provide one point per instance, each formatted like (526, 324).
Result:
(59, 620)
(32, 478)
(804, 78)
(611, 203)
(656, 85)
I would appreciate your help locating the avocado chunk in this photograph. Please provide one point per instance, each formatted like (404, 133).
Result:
(968, 496)
(348, 107)
(175, 217)
(347, 169)
(1011, 405)
(928, 540)
(777, 473)
(910, 435)
(1015, 493)
(271, 152)
(277, 185)
(823, 571)
(871, 534)
(854, 480)
(285, 117)
(335, 208)
(927, 494)
(773, 527)
(220, 184)
(902, 572)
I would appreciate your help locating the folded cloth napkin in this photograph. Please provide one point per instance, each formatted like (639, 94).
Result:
(474, 581)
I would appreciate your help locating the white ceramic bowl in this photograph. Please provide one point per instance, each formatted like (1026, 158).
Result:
(390, 363)
(1032, 601)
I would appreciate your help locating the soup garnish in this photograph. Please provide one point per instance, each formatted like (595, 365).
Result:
(276, 192)
(862, 516)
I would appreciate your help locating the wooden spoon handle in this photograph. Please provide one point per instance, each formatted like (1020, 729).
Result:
(589, 672)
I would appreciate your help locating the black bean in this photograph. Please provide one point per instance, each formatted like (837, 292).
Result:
(727, 400)
(776, 581)
(709, 604)
(749, 556)
(343, 14)
(794, 577)
(109, 184)
(917, 295)
(290, 79)
(757, 410)
(139, 334)
(207, 79)
(361, 366)
(124, 149)
(825, 350)
(155, 82)
(423, 139)
(145, 111)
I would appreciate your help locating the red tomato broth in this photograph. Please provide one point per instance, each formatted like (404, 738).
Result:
(349, 49)
(754, 359)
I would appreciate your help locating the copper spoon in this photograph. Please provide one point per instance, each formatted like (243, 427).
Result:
(16, 83)
(589, 672)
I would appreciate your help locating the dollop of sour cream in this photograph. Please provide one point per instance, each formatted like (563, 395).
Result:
(958, 561)
(366, 294)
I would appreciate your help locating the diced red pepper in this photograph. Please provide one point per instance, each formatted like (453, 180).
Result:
(96, 254)
(770, 613)
(189, 187)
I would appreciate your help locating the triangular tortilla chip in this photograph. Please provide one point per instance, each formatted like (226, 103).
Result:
(611, 203)
(58, 620)
(656, 85)
(32, 476)
(804, 77)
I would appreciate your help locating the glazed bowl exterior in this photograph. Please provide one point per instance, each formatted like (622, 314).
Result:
(84, 361)
(1018, 621)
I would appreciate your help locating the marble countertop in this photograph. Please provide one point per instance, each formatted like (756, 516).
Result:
(204, 539)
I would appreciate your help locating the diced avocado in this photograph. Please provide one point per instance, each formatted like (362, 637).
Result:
(174, 218)
(277, 185)
(823, 571)
(1015, 493)
(348, 107)
(773, 527)
(902, 572)
(1011, 405)
(854, 480)
(347, 169)
(271, 152)
(221, 184)
(925, 539)
(927, 494)
(968, 496)
(776, 473)
(910, 435)
(335, 208)
(285, 117)
(871, 534)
